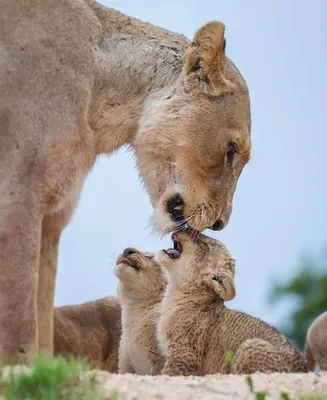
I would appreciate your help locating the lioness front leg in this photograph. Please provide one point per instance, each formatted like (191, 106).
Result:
(20, 235)
(46, 284)
(182, 363)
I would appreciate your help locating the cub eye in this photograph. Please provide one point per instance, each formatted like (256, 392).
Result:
(149, 255)
(231, 150)
(217, 279)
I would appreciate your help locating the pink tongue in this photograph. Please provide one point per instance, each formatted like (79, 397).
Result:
(174, 253)
(125, 260)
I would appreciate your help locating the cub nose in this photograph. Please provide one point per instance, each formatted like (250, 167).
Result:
(217, 226)
(129, 251)
(175, 206)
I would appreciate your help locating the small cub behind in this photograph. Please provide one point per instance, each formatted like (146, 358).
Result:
(196, 330)
(91, 331)
(141, 288)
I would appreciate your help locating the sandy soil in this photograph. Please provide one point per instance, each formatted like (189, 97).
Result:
(224, 387)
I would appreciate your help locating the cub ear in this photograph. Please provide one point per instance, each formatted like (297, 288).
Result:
(205, 60)
(229, 291)
(226, 287)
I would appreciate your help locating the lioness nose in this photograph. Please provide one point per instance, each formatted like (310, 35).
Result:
(174, 207)
(217, 226)
(129, 251)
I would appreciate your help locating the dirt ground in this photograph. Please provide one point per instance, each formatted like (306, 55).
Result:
(311, 386)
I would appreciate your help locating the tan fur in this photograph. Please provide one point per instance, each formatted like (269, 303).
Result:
(196, 331)
(141, 289)
(205, 60)
(315, 349)
(78, 80)
(91, 331)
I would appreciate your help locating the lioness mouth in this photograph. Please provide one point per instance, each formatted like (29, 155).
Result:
(176, 251)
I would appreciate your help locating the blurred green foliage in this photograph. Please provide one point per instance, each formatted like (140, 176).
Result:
(308, 289)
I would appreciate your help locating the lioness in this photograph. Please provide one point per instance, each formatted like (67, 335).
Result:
(196, 331)
(78, 80)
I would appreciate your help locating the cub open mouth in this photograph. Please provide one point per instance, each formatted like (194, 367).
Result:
(176, 251)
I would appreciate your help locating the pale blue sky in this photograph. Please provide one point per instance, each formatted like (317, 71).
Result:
(280, 207)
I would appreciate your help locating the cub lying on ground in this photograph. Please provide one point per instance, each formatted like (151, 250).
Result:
(141, 288)
(196, 331)
(316, 343)
(91, 331)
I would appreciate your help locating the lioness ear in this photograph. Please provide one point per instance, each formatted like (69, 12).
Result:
(205, 60)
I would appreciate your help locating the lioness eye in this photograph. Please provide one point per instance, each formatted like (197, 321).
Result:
(217, 279)
(231, 150)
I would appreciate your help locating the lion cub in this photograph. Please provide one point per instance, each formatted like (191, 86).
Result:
(316, 343)
(197, 334)
(141, 288)
(91, 330)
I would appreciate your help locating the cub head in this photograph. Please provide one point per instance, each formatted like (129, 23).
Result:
(140, 276)
(199, 264)
(193, 138)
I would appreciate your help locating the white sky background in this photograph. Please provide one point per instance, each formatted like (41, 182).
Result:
(280, 206)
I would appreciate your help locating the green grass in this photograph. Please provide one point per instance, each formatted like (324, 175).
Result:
(258, 395)
(50, 379)
(229, 357)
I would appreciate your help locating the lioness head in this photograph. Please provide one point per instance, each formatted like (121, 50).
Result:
(140, 276)
(193, 139)
(199, 264)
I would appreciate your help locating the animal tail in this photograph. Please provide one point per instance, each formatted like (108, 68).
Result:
(309, 356)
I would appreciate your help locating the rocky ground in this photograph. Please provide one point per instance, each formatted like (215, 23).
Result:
(312, 386)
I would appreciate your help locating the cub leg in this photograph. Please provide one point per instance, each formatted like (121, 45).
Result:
(124, 364)
(157, 365)
(184, 362)
(257, 355)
